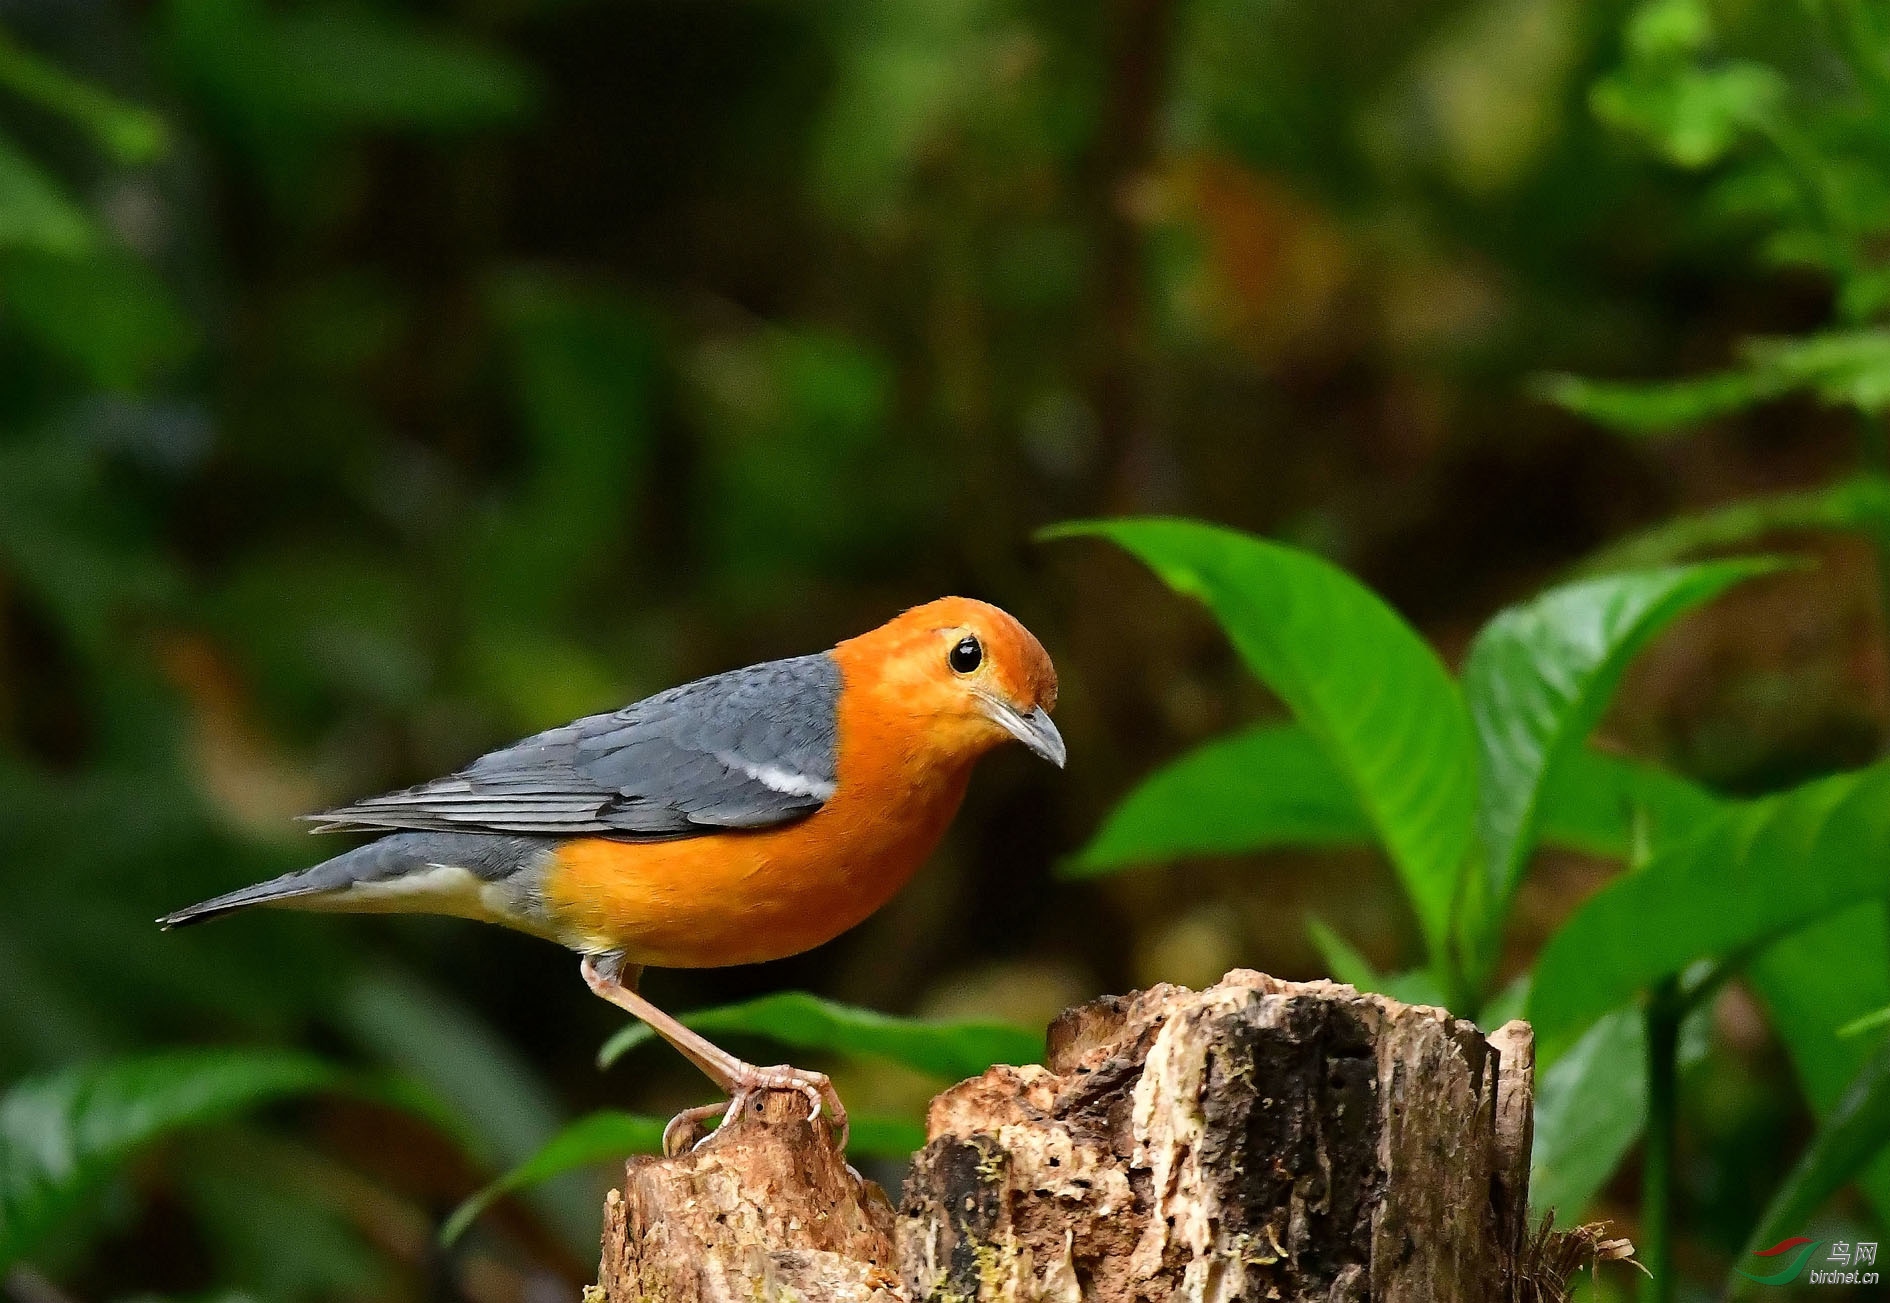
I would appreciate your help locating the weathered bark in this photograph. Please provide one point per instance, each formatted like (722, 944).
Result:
(765, 1209)
(1259, 1140)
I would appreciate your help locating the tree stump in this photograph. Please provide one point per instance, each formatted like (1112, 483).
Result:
(1259, 1140)
(766, 1208)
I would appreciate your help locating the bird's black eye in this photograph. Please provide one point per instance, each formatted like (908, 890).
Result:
(967, 655)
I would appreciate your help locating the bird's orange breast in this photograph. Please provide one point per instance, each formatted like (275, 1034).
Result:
(745, 897)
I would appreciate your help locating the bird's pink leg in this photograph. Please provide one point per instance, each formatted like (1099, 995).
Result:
(736, 1076)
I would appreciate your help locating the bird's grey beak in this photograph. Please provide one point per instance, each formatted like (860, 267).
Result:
(1034, 730)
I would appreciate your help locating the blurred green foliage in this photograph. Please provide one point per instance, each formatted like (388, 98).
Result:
(381, 382)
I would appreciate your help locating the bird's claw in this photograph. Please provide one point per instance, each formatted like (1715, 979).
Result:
(683, 1125)
(816, 1087)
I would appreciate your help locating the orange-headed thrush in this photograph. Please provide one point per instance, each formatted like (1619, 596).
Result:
(739, 818)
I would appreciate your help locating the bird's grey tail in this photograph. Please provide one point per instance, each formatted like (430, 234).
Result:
(392, 857)
(352, 866)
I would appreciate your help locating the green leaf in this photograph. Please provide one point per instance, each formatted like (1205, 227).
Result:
(1758, 872)
(1852, 1136)
(1591, 1107)
(1594, 803)
(1343, 959)
(1664, 30)
(1658, 407)
(949, 1050)
(1870, 1022)
(1217, 800)
(423, 1032)
(1862, 503)
(1507, 1005)
(1692, 115)
(35, 212)
(1845, 368)
(1819, 983)
(107, 314)
(885, 1137)
(609, 1136)
(503, 1110)
(61, 1135)
(595, 1138)
(1355, 676)
(1536, 681)
(1414, 986)
(130, 134)
(1591, 1104)
(1266, 786)
(343, 68)
(1346, 964)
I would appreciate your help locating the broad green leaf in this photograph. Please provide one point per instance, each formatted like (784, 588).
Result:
(609, 1136)
(1265, 786)
(950, 1050)
(1591, 1107)
(1346, 964)
(595, 1138)
(1764, 869)
(1818, 983)
(438, 1041)
(1507, 1005)
(35, 212)
(132, 135)
(343, 68)
(1661, 406)
(1536, 681)
(1415, 986)
(106, 314)
(1591, 1104)
(1343, 959)
(885, 1137)
(266, 1218)
(503, 1110)
(1851, 1137)
(61, 1135)
(1273, 786)
(1862, 504)
(1594, 802)
(1355, 676)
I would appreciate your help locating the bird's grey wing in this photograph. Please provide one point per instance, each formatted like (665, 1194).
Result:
(746, 749)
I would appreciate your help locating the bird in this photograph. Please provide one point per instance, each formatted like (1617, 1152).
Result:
(739, 818)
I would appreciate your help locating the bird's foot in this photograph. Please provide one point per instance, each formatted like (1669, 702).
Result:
(742, 1086)
(679, 1137)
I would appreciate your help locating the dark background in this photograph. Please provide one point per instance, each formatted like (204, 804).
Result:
(453, 369)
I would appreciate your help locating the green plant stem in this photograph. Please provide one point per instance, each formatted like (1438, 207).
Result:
(1655, 1249)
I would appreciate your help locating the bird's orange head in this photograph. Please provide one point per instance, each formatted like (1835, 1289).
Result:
(965, 672)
